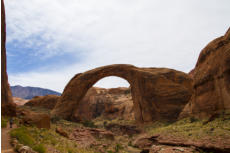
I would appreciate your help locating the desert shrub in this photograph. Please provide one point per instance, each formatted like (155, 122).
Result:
(118, 147)
(128, 91)
(105, 123)
(70, 151)
(55, 119)
(193, 119)
(4, 122)
(87, 123)
(39, 148)
(17, 148)
(130, 143)
(23, 136)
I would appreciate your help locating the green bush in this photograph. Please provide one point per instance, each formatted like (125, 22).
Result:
(89, 124)
(118, 147)
(22, 135)
(4, 122)
(39, 148)
(55, 119)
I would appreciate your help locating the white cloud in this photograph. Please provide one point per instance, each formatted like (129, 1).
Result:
(146, 33)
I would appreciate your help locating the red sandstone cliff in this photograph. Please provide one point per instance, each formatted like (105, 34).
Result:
(8, 107)
(211, 80)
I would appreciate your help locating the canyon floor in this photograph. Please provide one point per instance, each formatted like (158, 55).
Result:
(113, 136)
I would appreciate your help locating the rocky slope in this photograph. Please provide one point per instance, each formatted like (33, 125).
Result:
(211, 80)
(30, 92)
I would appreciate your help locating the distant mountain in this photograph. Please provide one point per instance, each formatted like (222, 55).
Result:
(30, 92)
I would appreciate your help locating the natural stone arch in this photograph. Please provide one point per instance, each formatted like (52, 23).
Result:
(151, 88)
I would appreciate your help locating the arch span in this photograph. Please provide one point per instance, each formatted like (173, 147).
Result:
(158, 93)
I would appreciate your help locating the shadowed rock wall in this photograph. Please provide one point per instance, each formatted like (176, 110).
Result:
(7, 106)
(5, 89)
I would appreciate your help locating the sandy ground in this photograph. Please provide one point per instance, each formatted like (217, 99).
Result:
(5, 140)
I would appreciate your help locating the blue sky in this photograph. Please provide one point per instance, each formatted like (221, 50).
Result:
(48, 42)
(22, 58)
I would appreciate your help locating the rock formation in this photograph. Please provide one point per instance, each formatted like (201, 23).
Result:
(211, 80)
(48, 101)
(8, 107)
(158, 93)
(40, 120)
(5, 90)
(107, 103)
(19, 101)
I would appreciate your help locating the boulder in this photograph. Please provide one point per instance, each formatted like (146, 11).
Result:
(211, 80)
(144, 141)
(62, 132)
(40, 120)
(26, 149)
(48, 101)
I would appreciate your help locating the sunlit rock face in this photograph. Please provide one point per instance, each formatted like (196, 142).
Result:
(157, 93)
(211, 80)
(47, 102)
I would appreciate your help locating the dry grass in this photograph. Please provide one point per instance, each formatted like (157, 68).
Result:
(195, 130)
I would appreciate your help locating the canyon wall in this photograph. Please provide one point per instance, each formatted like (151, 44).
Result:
(211, 80)
(7, 106)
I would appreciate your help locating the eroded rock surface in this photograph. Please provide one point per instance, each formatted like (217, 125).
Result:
(211, 80)
(62, 132)
(106, 103)
(48, 101)
(118, 129)
(40, 120)
(87, 137)
(157, 93)
(155, 142)
(6, 96)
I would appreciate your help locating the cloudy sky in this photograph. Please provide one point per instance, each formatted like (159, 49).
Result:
(49, 41)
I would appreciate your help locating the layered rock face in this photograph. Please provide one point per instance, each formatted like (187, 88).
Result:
(211, 80)
(8, 107)
(157, 93)
(107, 103)
(48, 101)
(5, 89)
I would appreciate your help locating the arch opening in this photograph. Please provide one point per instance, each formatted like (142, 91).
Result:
(109, 98)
